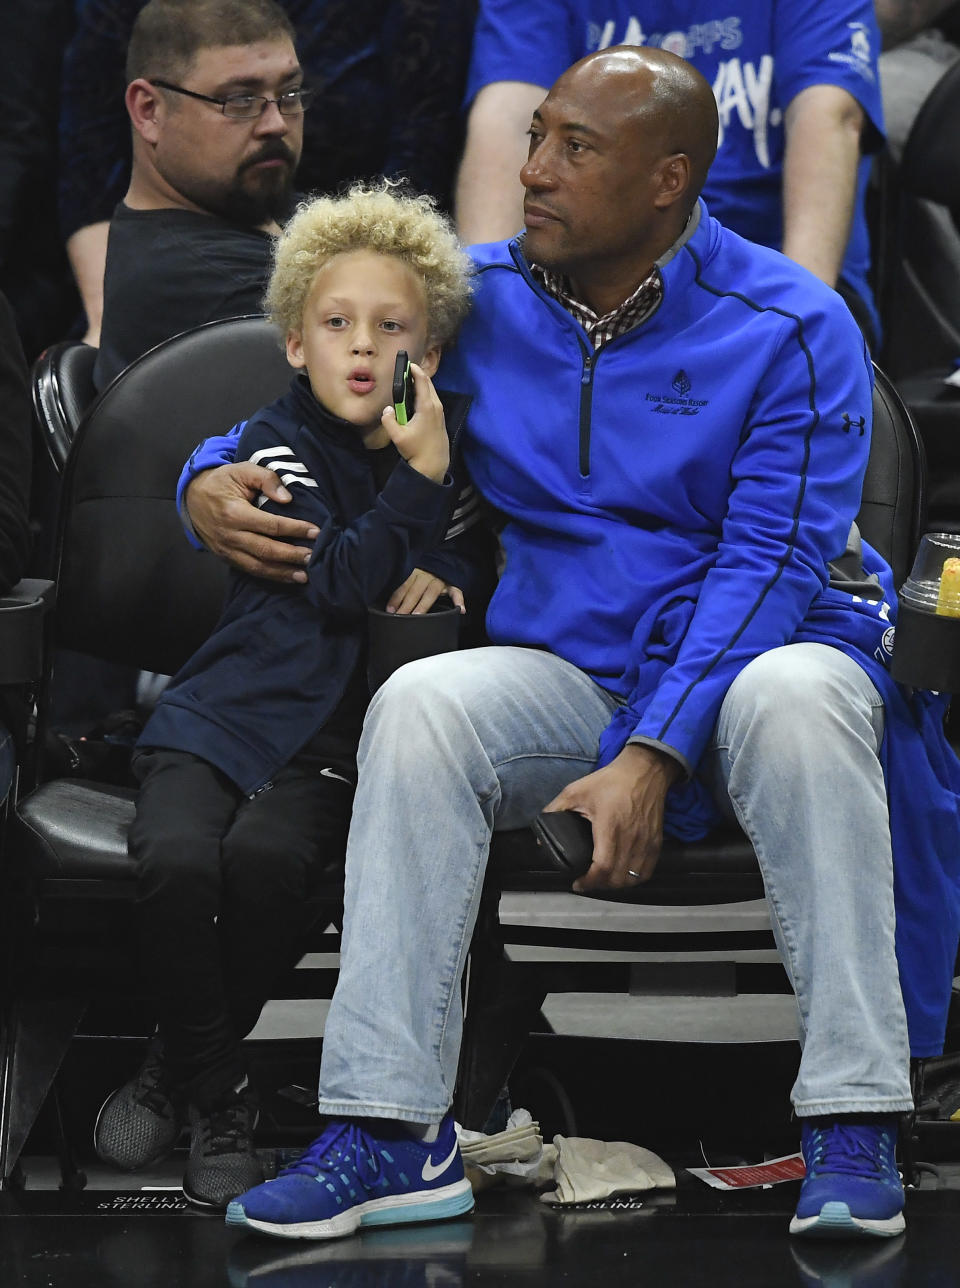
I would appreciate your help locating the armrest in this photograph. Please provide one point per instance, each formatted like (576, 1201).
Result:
(23, 614)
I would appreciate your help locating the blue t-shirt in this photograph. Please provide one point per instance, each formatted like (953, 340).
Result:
(757, 55)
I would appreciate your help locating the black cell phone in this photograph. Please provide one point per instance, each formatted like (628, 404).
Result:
(566, 839)
(403, 391)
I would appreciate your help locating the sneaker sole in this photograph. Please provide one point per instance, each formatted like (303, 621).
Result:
(208, 1205)
(835, 1221)
(398, 1209)
(203, 1205)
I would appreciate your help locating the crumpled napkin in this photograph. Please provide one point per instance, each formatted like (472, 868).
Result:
(515, 1151)
(588, 1169)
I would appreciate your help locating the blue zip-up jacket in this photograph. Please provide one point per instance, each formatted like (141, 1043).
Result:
(279, 660)
(672, 503)
(673, 499)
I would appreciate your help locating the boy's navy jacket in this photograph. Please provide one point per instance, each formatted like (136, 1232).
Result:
(279, 660)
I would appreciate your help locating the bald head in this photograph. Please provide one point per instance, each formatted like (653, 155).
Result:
(660, 93)
(619, 150)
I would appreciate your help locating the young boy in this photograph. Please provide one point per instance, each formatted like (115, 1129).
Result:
(247, 765)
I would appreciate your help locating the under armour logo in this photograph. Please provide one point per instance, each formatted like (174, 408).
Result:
(681, 382)
(849, 423)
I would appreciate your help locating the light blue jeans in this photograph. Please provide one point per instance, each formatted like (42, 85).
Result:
(457, 745)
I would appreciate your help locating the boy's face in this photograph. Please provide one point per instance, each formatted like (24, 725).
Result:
(361, 310)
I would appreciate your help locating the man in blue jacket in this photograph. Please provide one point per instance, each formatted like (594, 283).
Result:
(798, 96)
(674, 425)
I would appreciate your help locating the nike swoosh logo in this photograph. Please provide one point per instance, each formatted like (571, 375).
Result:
(432, 1170)
(329, 773)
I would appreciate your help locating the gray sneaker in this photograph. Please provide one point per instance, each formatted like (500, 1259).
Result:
(140, 1122)
(223, 1162)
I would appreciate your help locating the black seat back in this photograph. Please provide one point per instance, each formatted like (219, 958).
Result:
(130, 587)
(930, 167)
(893, 501)
(916, 245)
(62, 386)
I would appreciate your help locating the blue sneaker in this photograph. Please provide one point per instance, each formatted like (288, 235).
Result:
(852, 1187)
(349, 1178)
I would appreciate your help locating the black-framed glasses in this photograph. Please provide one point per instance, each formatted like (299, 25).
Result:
(245, 107)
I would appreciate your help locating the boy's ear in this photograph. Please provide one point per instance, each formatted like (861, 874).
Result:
(295, 350)
(431, 359)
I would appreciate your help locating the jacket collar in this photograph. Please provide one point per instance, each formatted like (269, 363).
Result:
(320, 420)
(699, 231)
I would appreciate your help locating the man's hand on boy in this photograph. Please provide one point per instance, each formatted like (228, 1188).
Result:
(420, 592)
(422, 442)
(220, 503)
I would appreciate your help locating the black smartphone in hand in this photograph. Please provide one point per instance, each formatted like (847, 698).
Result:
(403, 391)
(566, 839)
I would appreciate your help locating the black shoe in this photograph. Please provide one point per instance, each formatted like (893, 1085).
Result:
(140, 1122)
(223, 1162)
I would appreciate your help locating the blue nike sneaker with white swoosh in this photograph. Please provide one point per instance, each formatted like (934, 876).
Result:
(852, 1188)
(350, 1178)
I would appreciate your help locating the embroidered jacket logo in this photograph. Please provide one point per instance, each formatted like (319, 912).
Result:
(849, 423)
(677, 403)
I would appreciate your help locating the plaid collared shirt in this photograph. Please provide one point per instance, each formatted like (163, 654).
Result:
(642, 304)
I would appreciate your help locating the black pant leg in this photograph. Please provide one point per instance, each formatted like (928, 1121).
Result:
(184, 808)
(284, 844)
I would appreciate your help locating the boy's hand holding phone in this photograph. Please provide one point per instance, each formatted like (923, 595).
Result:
(422, 441)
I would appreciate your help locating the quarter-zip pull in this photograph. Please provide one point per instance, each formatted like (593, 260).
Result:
(585, 415)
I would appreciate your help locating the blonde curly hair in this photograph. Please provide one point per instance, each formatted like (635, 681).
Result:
(379, 219)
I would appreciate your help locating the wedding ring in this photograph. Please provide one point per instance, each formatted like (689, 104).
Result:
(631, 873)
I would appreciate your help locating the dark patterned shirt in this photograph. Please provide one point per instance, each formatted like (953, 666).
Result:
(644, 301)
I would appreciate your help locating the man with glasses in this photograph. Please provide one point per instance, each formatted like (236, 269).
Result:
(216, 102)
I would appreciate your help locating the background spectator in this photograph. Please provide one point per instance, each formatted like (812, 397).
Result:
(919, 43)
(796, 84)
(192, 240)
(389, 76)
